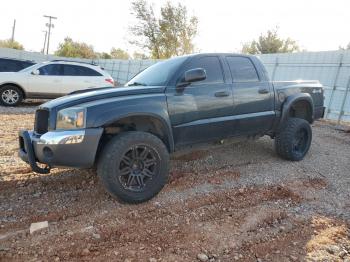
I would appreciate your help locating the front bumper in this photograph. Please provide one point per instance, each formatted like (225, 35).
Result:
(73, 148)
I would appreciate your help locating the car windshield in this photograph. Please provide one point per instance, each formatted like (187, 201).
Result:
(157, 74)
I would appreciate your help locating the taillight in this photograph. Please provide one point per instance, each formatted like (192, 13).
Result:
(110, 80)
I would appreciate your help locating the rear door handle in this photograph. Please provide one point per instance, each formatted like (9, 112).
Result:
(263, 91)
(222, 94)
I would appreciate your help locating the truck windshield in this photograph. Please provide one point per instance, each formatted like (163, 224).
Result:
(157, 74)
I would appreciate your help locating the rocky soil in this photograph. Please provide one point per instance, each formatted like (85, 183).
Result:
(232, 202)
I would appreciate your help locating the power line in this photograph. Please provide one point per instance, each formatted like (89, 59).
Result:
(49, 25)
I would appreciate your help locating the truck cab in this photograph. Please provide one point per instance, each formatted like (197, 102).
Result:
(235, 98)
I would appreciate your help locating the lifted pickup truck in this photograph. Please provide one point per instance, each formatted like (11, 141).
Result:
(129, 132)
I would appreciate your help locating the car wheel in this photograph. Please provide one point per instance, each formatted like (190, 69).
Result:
(134, 166)
(10, 95)
(294, 140)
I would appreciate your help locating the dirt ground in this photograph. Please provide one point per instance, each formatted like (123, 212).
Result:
(233, 202)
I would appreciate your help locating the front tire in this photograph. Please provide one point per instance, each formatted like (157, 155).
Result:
(134, 166)
(10, 95)
(294, 140)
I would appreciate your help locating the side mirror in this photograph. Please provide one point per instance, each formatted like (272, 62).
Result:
(36, 72)
(195, 75)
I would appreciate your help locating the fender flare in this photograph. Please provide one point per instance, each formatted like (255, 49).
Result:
(286, 106)
(165, 124)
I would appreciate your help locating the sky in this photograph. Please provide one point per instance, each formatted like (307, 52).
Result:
(224, 25)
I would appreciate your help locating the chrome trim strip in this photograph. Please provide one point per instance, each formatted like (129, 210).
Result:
(62, 137)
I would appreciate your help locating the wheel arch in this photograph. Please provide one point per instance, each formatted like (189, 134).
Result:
(299, 106)
(16, 85)
(146, 122)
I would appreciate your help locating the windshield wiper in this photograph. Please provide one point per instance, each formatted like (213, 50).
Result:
(137, 84)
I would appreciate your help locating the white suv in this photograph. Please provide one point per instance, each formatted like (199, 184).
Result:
(51, 80)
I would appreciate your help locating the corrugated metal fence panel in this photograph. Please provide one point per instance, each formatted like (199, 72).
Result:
(331, 68)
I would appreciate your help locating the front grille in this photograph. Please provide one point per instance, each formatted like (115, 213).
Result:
(41, 121)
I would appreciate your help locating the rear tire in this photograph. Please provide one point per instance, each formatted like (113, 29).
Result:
(134, 166)
(10, 95)
(294, 140)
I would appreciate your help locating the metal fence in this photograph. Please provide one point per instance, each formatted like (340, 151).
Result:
(331, 68)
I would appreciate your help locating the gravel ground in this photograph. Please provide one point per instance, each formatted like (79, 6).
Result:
(233, 202)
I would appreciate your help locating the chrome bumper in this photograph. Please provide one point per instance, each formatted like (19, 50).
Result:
(73, 148)
(62, 137)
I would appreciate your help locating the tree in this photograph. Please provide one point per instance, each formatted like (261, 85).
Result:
(104, 55)
(177, 30)
(11, 44)
(345, 48)
(118, 53)
(146, 30)
(270, 43)
(70, 48)
(137, 55)
(170, 35)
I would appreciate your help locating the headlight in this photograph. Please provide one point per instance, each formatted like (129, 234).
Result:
(71, 118)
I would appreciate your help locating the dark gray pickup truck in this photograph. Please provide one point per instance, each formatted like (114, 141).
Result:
(129, 132)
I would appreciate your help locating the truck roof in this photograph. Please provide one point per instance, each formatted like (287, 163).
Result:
(220, 54)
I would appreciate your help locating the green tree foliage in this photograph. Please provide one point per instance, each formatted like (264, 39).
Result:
(177, 30)
(137, 55)
(70, 48)
(270, 43)
(170, 35)
(104, 55)
(146, 31)
(118, 53)
(11, 44)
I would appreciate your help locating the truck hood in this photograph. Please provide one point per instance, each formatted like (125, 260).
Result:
(103, 93)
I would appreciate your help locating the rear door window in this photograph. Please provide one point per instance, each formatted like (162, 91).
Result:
(2, 65)
(7, 65)
(25, 65)
(74, 70)
(242, 69)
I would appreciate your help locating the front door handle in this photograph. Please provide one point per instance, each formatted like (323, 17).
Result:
(222, 94)
(263, 91)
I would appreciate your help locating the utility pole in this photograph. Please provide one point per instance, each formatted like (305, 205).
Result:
(44, 42)
(13, 31)
(49, 25)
